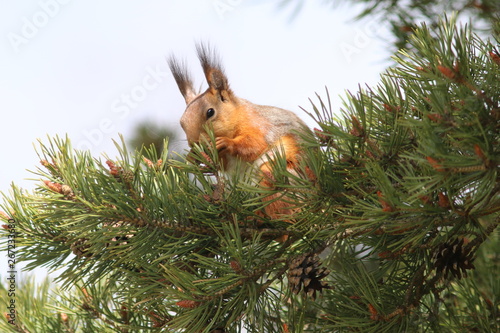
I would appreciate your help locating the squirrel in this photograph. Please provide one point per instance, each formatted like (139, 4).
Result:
(243, 130)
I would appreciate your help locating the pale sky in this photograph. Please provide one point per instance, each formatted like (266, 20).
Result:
(92, 69)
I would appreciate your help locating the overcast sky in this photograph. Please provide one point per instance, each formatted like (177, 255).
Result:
(92, 69)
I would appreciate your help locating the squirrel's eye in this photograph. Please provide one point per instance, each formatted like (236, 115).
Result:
(210, 113)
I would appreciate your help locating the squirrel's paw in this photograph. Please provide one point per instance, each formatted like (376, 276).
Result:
(223, 143)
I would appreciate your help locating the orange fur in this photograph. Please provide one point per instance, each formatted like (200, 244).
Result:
(244, 140)
(279, 208)
(243, 130)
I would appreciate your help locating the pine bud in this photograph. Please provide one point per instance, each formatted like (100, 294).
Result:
(113, 169)
(148, 162)
(64, 317)
(156, 319)
(370, 155)
(48, 165)
(425, 199)
(152, 165)
(373, 312)
(406, 28)
(56, 187)
(357, 128)
(4, 215)
(426, 69)
(188, 304)
(447, 72)
(389, 254)
(86, 294)
(206, 157)
(7, 315)
(479, 152)
(87, 299)
(443, 202)
(124, 312)
(435, 164)
(489, 303)
(310, 174)
(386, 207)
(495, 57)
(391, 108)
(324, 139)
(235, 266)
(435, 117)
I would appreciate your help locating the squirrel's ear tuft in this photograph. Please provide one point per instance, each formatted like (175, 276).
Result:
(183, 79)
(214, 73)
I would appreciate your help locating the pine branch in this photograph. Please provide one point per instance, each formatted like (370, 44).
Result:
(397, 205)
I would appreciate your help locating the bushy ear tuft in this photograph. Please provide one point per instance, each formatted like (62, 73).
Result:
(214, 73)
(183, 79)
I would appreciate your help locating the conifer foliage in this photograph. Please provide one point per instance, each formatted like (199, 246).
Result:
(397, 232)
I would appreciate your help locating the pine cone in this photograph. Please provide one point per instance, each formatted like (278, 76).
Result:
(127, 176)
(453, 258)
(120, 239)
(305, 274)
(81, 248)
